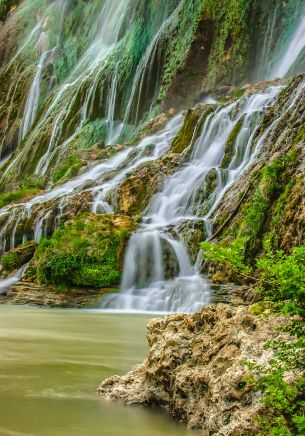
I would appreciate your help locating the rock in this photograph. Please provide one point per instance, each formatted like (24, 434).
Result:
(133, 194)
(87, 251)
(26, 292)
(191, 127)
(195, 369)
(19, 256)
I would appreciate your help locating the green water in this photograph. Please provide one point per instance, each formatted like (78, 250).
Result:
(51, 362)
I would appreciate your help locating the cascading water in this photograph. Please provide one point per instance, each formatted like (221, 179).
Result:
(159, 274)
(103, 176)
(94, 90)
(157, 248)
(56, 11)
(292, 50)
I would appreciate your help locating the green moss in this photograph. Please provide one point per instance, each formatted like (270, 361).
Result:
(231, 45)
(68, 168)
(10, 261)
(191, 127)
(229, 147)
(271, 186)
(84, 252)
(16, 196)
(17, 257)
(239, 92)
(92, 133)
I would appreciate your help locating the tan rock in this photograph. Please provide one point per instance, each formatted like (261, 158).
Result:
(196, 367)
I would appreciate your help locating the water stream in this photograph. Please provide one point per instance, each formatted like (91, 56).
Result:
(187, 196)
(291, 51)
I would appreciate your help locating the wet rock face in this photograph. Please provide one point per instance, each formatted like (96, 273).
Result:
(133, 195)
(195, 369)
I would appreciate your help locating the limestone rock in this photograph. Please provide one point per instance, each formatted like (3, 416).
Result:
(195, 369)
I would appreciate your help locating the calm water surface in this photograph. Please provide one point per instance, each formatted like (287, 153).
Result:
(51, 362)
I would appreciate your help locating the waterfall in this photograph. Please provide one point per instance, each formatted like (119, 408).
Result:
(103, 177)
(102, 85)
(291, 50)
(158, 274)
(47, 57)
(8, 283)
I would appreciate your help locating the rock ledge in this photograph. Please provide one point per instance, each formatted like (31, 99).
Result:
(195, 369)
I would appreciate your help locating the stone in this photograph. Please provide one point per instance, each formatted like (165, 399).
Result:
(195, 369)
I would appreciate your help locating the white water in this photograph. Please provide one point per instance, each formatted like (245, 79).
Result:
(292, 50)
(12, 280)
(103, 176)
(158, 273)
(47, 57)
(147, 283)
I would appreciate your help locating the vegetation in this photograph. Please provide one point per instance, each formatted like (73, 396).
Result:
(280, 281)
(84, 252)
(68, 169)
(16, 196)
(17, 257)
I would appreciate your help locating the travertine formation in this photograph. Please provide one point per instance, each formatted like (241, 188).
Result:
(196, 369)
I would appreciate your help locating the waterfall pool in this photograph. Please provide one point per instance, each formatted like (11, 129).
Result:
(51, 363)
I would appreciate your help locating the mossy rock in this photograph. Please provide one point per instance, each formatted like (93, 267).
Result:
(17, 257)
(191, 127)
(230, 144)
(87, 251)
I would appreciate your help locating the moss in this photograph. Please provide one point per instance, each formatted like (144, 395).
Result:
(16, 196)
(238, 92)
(261, 211)
(191, 127)
(68, 168)
(10, 261)
(229, 147)
(17, 257)
(87, 251)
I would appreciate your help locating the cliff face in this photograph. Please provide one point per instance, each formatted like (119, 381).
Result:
(195, 369)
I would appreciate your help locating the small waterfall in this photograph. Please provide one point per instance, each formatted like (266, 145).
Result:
(7, 284)
(158, 274)
(56, 11)
(291, 50)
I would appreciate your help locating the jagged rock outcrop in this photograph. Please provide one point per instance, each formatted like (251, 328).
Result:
(196, 369)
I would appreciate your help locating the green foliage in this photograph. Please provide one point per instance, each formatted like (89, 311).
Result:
(68, 168)
(84, 252)
(284, 400)
(232, 256)
(10, 261)
(284, 279)
(280, 279)
(16, 196)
